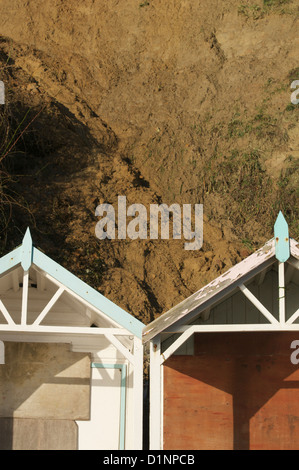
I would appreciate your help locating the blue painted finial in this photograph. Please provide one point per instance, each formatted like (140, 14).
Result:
(282, 240)
(27, 251)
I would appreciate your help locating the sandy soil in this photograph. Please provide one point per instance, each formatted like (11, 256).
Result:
(173, 102)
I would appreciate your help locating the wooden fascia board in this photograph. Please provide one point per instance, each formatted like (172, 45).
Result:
(26, 254)
(186, 310)
(11, 260)
(218, 297)
(90, 295)
(87, 293)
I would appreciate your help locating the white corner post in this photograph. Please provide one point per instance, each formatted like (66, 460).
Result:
(25, 298)
(138, 393)
(155, 418)
(282, 254)
(281, 292)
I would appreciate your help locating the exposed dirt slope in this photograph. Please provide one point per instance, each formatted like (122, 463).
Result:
(175, 101)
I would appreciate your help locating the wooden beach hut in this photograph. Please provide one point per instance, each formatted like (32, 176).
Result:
(72, 376)
(224, 368)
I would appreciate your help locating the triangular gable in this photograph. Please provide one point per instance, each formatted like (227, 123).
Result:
(27, 255)
(224, 284)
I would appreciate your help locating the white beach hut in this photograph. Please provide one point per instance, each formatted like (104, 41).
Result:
(72, 372)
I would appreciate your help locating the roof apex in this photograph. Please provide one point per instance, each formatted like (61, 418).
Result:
(254, 263)
(27, 250)
(27, 255)
(282, 241)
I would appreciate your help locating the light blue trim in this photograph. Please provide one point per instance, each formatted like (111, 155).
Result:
(27, 251)
(11, 260)
(87, 293)
(282, 240)
(123, 381)
(26, 254)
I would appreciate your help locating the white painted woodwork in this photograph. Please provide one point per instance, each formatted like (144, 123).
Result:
(6, 314)
(257, 303)
(185, 349)
(49, 306)
(101, 432)
(293, 317)
(98, 317)
(115, 341)
(138, 393)
(281, 292)
(155, 395)
(43, 310)
(176, 344)
(24, 298)
(238, 309)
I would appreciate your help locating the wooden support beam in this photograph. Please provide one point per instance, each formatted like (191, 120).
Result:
(156, 401)
(208, 299)
(293, 317)
(62, 330)
(120, 347)
(82, 301)
(6, 314)
(176, 344)
(205, 314)
(242, 327)
(257, 304)
(281, 292)
(49, 305)
(25, 298)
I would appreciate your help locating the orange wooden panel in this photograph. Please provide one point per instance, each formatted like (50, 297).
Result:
(239, 391)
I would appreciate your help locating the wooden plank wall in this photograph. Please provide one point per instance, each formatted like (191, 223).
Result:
(238, 391)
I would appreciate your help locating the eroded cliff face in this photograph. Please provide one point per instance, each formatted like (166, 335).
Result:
(175, 102)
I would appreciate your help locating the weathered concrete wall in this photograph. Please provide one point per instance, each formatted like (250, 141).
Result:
(38, 434)
(44, 381)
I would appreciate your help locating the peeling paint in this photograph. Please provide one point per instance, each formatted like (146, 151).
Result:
(207, 292)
